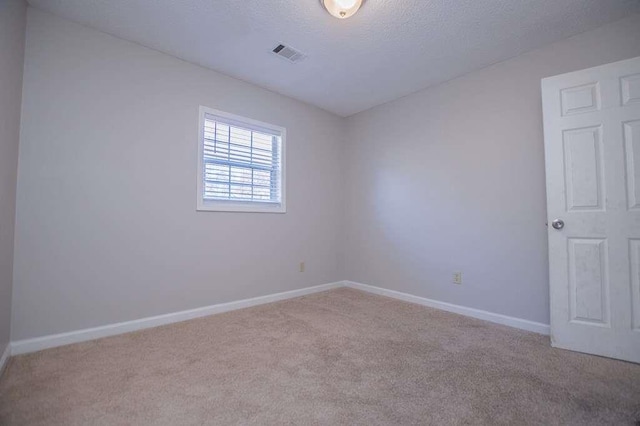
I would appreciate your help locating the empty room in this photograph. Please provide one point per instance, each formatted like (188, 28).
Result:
(319, 212)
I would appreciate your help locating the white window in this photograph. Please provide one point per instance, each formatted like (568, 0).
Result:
(240, 164)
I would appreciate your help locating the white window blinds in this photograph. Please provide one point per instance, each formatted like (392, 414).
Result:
(241, 161)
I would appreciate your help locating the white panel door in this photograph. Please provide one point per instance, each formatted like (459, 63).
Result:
(592, 154)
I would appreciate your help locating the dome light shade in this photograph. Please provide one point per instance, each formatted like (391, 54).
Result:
(342, 9)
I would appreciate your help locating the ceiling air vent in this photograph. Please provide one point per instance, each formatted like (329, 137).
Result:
(288, 53)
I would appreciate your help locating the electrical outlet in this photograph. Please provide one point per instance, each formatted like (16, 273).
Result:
(457, 277)
(301, 266)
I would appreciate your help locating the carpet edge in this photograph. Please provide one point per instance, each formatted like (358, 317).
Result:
(35, 344)
(520, 323)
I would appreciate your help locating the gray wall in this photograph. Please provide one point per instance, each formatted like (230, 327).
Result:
(452, 179)
(107, 228)
(12, 29)
(447, 179)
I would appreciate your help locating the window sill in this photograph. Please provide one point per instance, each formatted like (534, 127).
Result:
(239, 207)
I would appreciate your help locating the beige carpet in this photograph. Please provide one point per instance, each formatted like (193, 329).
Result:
(338, 357)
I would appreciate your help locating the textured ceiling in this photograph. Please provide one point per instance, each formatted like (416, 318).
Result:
(389, 49)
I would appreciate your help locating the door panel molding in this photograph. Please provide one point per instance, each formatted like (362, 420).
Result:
(592, 161)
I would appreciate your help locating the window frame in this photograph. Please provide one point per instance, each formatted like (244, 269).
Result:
(239, 206)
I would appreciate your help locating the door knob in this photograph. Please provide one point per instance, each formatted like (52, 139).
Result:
(557, 224)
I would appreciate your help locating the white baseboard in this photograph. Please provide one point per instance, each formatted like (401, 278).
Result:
(520, 323)
(39, 343)
(5, 357)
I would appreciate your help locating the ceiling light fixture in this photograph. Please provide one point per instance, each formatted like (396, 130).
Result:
(342, 9)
